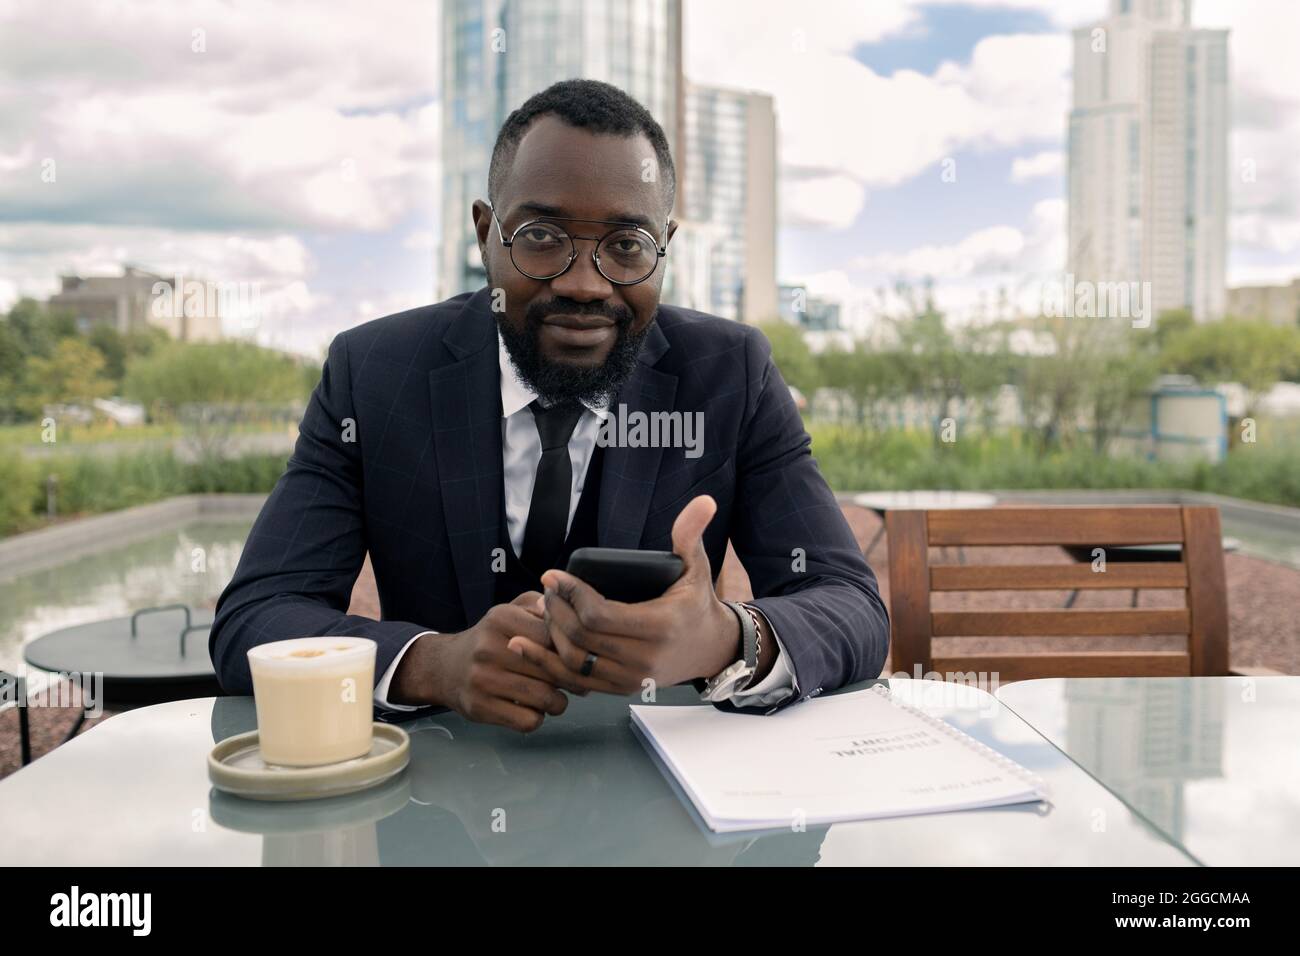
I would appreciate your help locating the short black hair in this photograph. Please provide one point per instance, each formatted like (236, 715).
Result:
(585, 104)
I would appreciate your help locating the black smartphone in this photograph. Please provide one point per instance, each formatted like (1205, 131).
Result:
(626, 574)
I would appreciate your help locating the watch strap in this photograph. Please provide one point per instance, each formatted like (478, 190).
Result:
(748, 634)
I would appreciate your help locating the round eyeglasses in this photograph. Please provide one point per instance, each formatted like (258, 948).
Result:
(541, 250)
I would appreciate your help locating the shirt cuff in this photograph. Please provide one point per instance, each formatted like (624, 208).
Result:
(779, 683)
(381, 688)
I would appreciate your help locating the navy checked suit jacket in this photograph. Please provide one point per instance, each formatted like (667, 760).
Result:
(399, 454)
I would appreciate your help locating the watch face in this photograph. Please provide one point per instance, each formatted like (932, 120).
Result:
(722, 684)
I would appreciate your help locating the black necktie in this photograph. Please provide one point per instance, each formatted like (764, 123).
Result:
(548, 512)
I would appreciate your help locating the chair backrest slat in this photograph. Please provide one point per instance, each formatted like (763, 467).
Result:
(1043, 577)
(1013, 667)
(1055, 526)
(1058, 623)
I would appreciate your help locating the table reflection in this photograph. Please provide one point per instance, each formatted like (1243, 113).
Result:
(578, 791)
(1150, 738)
(1213, 762)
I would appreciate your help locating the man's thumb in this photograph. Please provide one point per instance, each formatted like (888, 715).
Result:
(688, 529)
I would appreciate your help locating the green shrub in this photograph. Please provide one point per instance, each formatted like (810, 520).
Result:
(17, 499)
(854, 459)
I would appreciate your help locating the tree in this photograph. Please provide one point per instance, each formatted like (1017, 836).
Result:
(792, 356)
(216, 373)
(944, 365)
(29, 330)
(37, 329)
(111, 344)
(1090, 372)
(1170, 324)
(869, 378)
(1252, 352)
(73, 374)
(1119, 374)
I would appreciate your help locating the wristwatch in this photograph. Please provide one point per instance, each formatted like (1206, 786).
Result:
(737, 676)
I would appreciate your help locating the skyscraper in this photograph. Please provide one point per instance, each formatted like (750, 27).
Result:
(497, 53)
(730, 175)
(1148, 168)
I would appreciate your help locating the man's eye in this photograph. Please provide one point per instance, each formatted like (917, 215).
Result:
(539, 236)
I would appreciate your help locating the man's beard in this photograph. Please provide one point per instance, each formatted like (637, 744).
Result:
(559, 381)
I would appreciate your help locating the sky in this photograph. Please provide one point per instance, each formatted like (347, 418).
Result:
(295, 144)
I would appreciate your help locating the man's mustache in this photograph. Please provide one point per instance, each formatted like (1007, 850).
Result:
(538, 311)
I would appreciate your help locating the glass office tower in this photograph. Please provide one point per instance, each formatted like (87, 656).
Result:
(1148, 155)
(730, 166)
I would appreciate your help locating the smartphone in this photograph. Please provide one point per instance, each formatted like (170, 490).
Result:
(626, 574)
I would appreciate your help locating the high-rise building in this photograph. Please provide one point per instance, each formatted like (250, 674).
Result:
(497, 53)
(730, 175)
(1148, 173)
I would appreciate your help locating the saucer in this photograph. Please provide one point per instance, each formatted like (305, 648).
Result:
(236, 766)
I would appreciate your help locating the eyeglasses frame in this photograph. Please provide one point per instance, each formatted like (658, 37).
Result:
(661, 248)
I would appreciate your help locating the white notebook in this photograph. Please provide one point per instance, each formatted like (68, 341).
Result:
(855, 756)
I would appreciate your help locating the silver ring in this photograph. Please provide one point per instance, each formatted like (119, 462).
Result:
(588, 664)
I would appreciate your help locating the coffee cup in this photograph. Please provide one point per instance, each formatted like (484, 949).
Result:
(314, 699)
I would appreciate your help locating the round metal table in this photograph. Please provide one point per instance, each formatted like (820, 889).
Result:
(156, 654)
(1133, 553)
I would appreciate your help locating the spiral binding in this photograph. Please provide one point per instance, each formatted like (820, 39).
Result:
(966, 740)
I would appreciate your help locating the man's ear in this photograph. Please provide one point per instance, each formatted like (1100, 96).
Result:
(481, 213)
(672, 228)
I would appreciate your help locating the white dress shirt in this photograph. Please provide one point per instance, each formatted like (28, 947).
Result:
(521, 450)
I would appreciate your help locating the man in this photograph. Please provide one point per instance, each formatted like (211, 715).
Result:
(471, 446)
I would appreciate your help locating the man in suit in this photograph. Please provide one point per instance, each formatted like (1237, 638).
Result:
(471, 446)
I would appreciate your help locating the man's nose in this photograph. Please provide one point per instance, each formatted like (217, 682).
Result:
(583, 281)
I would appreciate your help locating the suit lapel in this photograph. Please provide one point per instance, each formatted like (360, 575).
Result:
(627, 479)
(466, 406)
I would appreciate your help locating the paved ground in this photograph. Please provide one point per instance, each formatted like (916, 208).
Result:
(1263, 605)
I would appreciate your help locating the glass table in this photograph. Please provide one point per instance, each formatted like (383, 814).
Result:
(581, 790)
(1214, 762)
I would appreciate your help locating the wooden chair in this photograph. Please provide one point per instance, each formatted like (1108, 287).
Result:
(1200, 573)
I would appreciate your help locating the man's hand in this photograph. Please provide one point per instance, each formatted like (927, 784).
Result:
(475, 674)
(684, 634)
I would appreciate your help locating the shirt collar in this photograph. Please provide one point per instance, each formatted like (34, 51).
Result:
(517, 395)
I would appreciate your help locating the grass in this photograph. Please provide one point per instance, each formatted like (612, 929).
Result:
(15, 437)
(852, 459)
(856, 460)
(91, 484)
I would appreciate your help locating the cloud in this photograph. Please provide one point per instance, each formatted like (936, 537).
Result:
(216, 140)
(265, 116)
(280, 266)
(1257, 231)
(1038, 248)
(422, 240)
(1000, 266)
(1071, 14)
(992, 250)
(1049, 162)
(1265, 139)
(840, 121)
(821, 201)
(46, 249)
